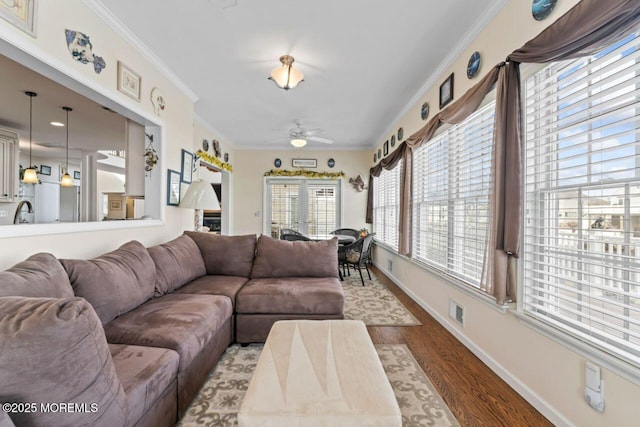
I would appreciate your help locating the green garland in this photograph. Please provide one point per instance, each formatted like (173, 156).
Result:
(305, 173)
(214, 161)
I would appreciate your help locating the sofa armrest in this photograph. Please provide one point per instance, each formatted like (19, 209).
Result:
(5, 421)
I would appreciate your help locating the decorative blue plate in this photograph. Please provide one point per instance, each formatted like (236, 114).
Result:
(400, 134)
(277, 163)
(393, 140)
(424, 111)
(540, 9)
(379, 153)
(331, 163)
(474, 65)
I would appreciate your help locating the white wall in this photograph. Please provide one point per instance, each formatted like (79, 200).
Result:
(548, 374)
(177, 121)
(249, 169)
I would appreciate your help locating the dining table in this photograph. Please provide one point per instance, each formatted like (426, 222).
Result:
(343, 239)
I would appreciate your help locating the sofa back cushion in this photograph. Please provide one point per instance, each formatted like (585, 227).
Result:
(40, 275)
(177, 262)
(226, 255)
(282, 258)
(116, 282)
(55, 350)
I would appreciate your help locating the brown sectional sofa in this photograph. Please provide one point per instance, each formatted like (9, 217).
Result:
(129, 337)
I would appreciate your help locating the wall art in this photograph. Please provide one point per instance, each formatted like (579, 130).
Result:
(187, 166)
(157, 100)
(473, 65)
(540, 9)
(424, 111)
(331, 163)
(129, 82)
(205, 145)
(304, 163)
(45, 170)
(216, 148)
(385, 148)
(226, 157)
(76, 174)
(150, 156)
(81, 50)
(446, 91)
(21, 13)
(173, 188)
(277, 163)
(393, 141)
(400, 134)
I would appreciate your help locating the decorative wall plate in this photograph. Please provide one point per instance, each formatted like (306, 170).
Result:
(424, 111)
(393, 140)
(400, 134)
(379, 153)
(331, 163)
(375, 157)
(216, 148)
(277, 163)
(205, 145)
(157, 100)
(226, 157)
(474, 65)
(81, 50)
(540, 9)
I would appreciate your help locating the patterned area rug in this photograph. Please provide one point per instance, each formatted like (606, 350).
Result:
(372, 303)
(219, 400)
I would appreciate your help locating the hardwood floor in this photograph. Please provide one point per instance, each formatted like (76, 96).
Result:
(475, 395)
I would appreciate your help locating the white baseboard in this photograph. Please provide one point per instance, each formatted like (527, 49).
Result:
(521, 388)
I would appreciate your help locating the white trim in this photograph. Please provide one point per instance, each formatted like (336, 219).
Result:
(23, 230)
(473, 32)
(116, 25)
(521, 388)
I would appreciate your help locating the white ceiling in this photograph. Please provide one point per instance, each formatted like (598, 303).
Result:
(363, 61)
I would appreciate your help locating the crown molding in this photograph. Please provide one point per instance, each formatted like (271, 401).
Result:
(200, 121)
(473, 32)
(116, 25)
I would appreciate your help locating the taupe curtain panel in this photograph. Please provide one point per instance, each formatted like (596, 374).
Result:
(584, 30)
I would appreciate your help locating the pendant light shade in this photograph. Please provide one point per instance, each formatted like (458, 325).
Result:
(30, 176)
(286, 77)
(66, 180)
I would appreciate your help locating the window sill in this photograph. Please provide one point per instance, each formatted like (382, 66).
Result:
(24, 230)
(623, 368)
(473, 292)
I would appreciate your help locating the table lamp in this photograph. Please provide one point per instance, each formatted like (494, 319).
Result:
(200, 196)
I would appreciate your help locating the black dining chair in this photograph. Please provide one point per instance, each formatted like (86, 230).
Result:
(357, 255)
(346, 232)
(292, 235)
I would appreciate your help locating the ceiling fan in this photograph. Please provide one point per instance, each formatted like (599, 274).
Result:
(299, 136)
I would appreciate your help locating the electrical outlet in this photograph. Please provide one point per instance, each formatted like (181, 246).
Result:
(456, 312)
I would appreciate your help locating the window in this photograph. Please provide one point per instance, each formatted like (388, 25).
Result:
(311, 207)
(451, 183)
(581, 249)
(386, 206)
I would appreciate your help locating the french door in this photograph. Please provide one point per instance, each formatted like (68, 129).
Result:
(310, 206)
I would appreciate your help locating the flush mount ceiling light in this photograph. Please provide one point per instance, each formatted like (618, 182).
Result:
(286, 77)
(57, 124)
(30, 176)
(298, 142)
(66, 180)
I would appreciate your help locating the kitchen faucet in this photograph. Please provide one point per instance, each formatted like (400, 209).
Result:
(19, 208)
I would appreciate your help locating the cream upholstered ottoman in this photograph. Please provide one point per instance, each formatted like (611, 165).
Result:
(319, 373)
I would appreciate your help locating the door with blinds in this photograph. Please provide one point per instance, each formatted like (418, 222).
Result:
(311, 207)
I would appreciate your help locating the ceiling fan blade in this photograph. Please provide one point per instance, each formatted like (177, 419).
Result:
(320, 139)
(312, 132)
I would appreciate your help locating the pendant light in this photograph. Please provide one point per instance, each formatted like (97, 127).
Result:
(66, 180)
(30, 176)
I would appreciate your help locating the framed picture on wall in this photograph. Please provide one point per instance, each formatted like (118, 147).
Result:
(304, 163)
(21, 13)
(173, 188)
(45, 170)
(187, 166)
(446, 91)
(385, 148)
(129, 82)
(76, 174)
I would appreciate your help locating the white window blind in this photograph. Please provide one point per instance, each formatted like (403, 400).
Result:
(386, 206)
(451, 183)
(581, 252)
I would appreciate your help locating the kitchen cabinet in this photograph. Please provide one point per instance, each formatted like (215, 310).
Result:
(9, 146)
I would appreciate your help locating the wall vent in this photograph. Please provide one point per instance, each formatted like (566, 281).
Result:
(456, 312)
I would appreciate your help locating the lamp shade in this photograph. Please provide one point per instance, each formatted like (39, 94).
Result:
(200, 195)
(66, 181)
(30, 176)
(298, 142)
(286, 77)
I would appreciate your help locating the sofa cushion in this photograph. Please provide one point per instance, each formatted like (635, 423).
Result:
(40, 275)
(180, 322)
(177, 262)
(282, 258)
(215, 285)
(291, 295)
(115, 282)
(54, 350)
(226, 255)
(145, 373)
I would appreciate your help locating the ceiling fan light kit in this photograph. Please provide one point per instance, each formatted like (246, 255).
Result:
(298, 142)
(286, 77)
